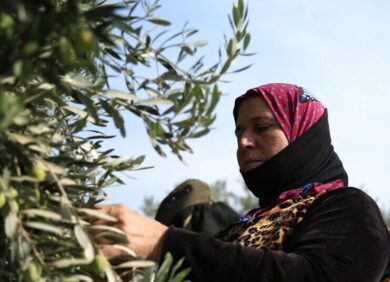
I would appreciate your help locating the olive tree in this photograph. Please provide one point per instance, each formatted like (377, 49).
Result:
(58, 61)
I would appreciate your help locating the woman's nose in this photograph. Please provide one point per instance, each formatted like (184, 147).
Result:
(246, 141)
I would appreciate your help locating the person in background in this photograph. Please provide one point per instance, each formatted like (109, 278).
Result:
(190, 206)
(310, 225)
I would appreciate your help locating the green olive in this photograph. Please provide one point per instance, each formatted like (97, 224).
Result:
(2, 200)
(38, 172)
(13, 193)
(30, 48)
(99, 264)
(13, 205)
(33, 272)
(65, 48)
(6, 21)
(85, 41)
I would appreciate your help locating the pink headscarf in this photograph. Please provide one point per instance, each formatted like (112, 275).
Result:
(295, 109)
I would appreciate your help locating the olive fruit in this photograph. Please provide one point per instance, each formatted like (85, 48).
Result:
(99, 264)
(2, 200)
(38, 172)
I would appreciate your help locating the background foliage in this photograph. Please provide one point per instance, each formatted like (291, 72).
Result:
(57, 63)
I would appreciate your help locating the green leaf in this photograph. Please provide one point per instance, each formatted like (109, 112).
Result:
(200, 43)
(121, 95)
(236, 16)
(49, 166)
(153, 93)
(107, 228)
(77, 81)
(239, 35)
(185, 123)
(79, 112)
(171, 75)
(229, 49)
(45, 227)
(181, 275)
(33, 143)
(116, 116)
(138, 161)
(84, 242)
(101, 11)
(121, 248)
(77, 278)
(42, 213)
(187, 49)
(214, 99)
(98, 214)
(159, 21)
(155, 102)
(89, 104)
(64, 263)
(124, 27)
(10, 224)
(242, 69)
(24, 249)
(247, 39)
(110, 181)
(114, 54)
(199, 133)
(247, 54)
(173, 92)
(240, 7)
(225, 66)
(117, 161)
(136, 264)
(147, 109)
(116, 238)
(6, 177)
(176, 267)
(192, 32)
(155, 129)
(163, 271)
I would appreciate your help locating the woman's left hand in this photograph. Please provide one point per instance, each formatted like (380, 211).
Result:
(145, 235)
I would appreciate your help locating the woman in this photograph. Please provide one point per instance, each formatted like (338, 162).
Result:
(309, 226)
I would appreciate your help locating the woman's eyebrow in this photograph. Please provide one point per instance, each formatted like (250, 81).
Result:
(257, 119)
(261, 118)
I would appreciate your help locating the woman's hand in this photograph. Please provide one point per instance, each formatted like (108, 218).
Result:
(145, 235)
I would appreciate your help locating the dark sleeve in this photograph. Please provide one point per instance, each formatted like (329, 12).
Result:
(342, 238)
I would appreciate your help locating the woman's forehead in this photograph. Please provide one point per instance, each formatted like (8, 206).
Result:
(254, 105)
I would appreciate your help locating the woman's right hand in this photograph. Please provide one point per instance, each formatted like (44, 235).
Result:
(145, 235)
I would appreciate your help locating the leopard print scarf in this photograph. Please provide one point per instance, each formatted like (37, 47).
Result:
(272, 227)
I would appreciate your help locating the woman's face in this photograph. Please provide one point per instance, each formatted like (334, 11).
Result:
(259, 136)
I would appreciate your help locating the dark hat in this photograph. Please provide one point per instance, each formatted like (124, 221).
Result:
(190, 192)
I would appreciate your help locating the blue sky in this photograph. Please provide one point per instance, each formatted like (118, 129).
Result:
(339, 50)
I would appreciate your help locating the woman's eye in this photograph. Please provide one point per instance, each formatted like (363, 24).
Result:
(262, 128)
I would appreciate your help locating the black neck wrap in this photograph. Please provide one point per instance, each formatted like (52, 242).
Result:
(310, 158)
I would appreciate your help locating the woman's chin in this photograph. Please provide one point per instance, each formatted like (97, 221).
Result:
(251, 165)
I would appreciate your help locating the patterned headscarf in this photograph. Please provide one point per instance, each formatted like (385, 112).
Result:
(296, 111)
